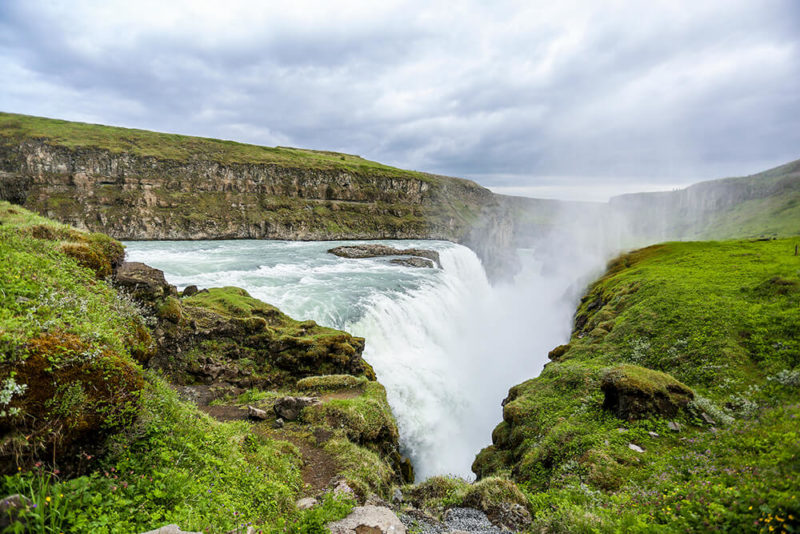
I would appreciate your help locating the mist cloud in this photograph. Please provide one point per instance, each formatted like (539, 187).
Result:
(514, 94)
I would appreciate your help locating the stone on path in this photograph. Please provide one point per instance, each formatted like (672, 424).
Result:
(368, 520)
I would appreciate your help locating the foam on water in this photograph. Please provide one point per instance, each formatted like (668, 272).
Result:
(446, 344)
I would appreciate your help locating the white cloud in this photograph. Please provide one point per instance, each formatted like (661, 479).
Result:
(506, 91)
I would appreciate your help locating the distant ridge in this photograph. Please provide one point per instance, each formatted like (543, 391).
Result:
(766, 204)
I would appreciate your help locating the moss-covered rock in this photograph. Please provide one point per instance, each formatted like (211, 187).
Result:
(633, 392)
(225, 335)
(330, 383)
(502, 502)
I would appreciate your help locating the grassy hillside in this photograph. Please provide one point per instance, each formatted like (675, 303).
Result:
(98, 444)
(705, 335)
(15, 127)
(766, 204)
(774, 210)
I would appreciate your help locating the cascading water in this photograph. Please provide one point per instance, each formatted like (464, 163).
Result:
(446, 344)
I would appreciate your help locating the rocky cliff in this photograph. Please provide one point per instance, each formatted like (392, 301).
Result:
(134, 185)
(764, 204)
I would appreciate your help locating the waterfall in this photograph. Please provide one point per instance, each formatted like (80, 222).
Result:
(446, 344)
(448, 351)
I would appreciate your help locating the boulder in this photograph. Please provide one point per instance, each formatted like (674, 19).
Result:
(255, 413)
(306, 503)
(368, 520)
(143, 282)
(289, 408)
(397, 496)
(188, 291)
(373, 251)
(633, 392)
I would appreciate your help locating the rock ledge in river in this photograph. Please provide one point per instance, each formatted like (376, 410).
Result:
(373, 251)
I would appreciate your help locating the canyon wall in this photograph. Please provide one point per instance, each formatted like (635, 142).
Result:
(133, 196)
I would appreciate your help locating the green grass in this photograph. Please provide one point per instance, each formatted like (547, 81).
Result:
(15, 127)
(774, 216)
(722, 318)
(97, 444)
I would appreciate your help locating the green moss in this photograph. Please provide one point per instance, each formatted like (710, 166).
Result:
(170, 310)
(330, 383)
(716, 317)
(86, 257)
(366, 418)
(643, 379)
(365, 470)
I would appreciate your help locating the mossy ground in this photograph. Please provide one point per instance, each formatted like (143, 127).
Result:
(97, 443)
(724, 319)
(351, 429)
(232, 328)
(65, 339)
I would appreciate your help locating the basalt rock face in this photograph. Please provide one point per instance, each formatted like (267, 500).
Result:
(132, 196)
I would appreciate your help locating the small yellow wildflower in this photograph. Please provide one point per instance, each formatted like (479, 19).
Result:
(750, 508)
(47, 498)
(791, 517)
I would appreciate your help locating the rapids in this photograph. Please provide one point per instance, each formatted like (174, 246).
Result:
(446, 344)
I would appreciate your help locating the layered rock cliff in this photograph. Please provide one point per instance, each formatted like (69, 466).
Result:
(143, 185)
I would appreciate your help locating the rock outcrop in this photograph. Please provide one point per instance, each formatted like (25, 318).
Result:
(368, 520)
(633, 392)
(289, 408)
(224, 337)
(190, 188)
(374, 251)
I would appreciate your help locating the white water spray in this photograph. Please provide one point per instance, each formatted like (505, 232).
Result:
(446, 344)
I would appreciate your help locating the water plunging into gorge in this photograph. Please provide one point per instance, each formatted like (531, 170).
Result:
(446, 344)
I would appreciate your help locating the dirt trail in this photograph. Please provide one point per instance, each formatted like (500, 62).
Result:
(319, 467)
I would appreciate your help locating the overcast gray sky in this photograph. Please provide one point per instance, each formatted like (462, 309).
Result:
(566, 99)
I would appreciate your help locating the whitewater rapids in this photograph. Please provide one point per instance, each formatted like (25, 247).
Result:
(446, 344)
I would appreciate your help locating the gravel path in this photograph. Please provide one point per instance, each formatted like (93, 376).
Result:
(455, 520)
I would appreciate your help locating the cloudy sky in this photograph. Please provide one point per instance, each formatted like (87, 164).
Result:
(567, 99)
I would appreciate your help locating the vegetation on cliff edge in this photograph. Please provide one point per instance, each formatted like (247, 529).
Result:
(95, 442)
(722, 318)
(15, 127)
